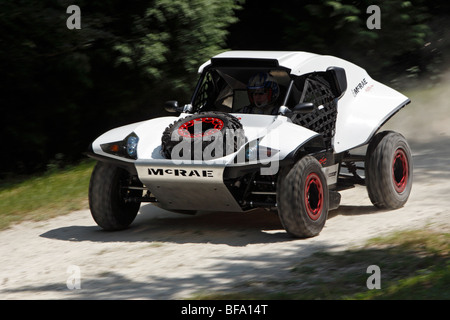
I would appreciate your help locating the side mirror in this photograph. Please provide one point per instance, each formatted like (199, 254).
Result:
(172, 106)
(304, 107)
(338, 81)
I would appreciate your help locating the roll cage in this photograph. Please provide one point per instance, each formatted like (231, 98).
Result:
(224, 88)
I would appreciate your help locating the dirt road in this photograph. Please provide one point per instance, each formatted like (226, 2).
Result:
(171, 256)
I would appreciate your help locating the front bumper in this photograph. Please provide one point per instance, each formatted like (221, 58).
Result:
(187, 187)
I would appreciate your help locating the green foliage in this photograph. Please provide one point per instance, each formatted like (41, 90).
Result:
(61, 88)
(172, 38)
(44, 196)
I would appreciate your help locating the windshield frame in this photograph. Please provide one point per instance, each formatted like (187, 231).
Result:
(235, 77)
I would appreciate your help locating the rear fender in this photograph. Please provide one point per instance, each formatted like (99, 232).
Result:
(364, 106)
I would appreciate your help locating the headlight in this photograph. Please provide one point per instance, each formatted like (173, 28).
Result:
(254, 151)
(251, 151)
(125, 148)
(132, 142)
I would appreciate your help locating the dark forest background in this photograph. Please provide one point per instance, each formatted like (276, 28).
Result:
(61, 88)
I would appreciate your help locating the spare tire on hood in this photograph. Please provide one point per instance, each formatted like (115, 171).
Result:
(202, 136)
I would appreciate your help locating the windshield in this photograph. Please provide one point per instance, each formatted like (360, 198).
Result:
(225, 89)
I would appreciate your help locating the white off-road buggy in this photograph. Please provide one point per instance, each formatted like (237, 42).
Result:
(295, 161)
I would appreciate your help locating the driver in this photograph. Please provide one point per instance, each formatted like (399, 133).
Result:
(263, 91)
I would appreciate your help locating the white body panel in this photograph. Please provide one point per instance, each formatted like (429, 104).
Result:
(287, 59)
(271, 130)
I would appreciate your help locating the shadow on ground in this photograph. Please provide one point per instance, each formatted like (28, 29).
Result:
(234, 229)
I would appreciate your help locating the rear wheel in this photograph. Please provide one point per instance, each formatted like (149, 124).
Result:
(108, 193)
(389, 170)
(302, 198)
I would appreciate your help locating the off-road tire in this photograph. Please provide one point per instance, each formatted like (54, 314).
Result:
(220, 124)
(389, 170)
(107, 197)
(302, 198)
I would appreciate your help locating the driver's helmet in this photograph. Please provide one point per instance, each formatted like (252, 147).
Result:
(262, 89)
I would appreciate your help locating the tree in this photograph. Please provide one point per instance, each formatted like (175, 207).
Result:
(61, 88)
(172, 38)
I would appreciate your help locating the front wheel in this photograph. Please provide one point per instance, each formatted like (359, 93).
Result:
(302, 198)
(108, 193)
(389, 170)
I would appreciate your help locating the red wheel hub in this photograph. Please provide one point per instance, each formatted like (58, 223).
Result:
(400, 170)
(200, 127)
(313, 196)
